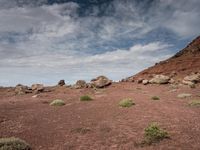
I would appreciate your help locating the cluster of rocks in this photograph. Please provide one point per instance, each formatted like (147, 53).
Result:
(156, 79)
(35, 88)
(190, 80)
(99, 82)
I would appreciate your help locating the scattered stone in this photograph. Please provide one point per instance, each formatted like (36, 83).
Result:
(145, 82)
(173, 74)
(131, 79)
(191, 79)
(34, 96)
(22, 89)
(80, 84)
(160, 79)
(188, 83)
(140, 80)
(101, 82)
(192, 86)
(171, 81)
(173, 90)
(184, 95)
(61, 83)
(173, 86)
(37, 88)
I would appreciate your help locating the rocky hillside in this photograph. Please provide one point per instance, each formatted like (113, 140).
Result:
(183, 63)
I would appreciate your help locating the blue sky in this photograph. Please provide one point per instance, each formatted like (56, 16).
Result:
(43, 41)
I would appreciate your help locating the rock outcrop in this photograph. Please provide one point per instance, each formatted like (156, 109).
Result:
(160, 79)
(101, 82)
(80, 84)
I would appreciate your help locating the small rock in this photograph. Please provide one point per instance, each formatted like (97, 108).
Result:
(171, 81)
(80, 84)
(131, 79)
(184, 95)
(140, 80)
(190, 83)
(37, 88)
(173, 74)
(61, 83)
(145, 82)
(34, 96)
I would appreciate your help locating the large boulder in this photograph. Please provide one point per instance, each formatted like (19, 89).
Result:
(61, 83)
(195, 78)
(80, 84)
(37, 88)
(160, 79)
(22, 89)
(101, 82)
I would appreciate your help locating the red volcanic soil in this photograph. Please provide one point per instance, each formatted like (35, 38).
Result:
(183, 63)
(101, 124)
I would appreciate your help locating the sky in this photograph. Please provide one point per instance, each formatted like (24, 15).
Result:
(44, 41)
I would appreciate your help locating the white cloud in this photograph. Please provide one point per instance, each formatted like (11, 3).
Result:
(116, 64)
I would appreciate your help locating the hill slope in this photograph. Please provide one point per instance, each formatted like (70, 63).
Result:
(182, 63)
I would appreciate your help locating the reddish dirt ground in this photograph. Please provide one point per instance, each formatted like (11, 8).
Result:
(101, 124)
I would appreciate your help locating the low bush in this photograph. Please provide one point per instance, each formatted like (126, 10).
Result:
(153, 134)
(195, 103)
(13, 144)
(57, 102)
(126, 102)
(85, 98)
(155, 98)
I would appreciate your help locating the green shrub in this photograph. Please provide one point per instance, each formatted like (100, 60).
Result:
(81, 130)
(13, 144)
(126, 102)
(155, 98)
(195, 103)
(57, 102)
(85, 98)
(153, 133)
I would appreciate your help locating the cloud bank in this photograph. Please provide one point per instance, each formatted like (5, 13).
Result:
(43, 41)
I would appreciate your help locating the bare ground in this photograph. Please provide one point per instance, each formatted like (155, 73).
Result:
(101, 124)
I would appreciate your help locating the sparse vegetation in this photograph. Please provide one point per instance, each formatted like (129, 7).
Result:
(13, 144)
(81, 130)
(153, 134)
(195, 103)
(155, 98)
(57, 102)
(126, 102)
(85, 98)
(138, 88)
